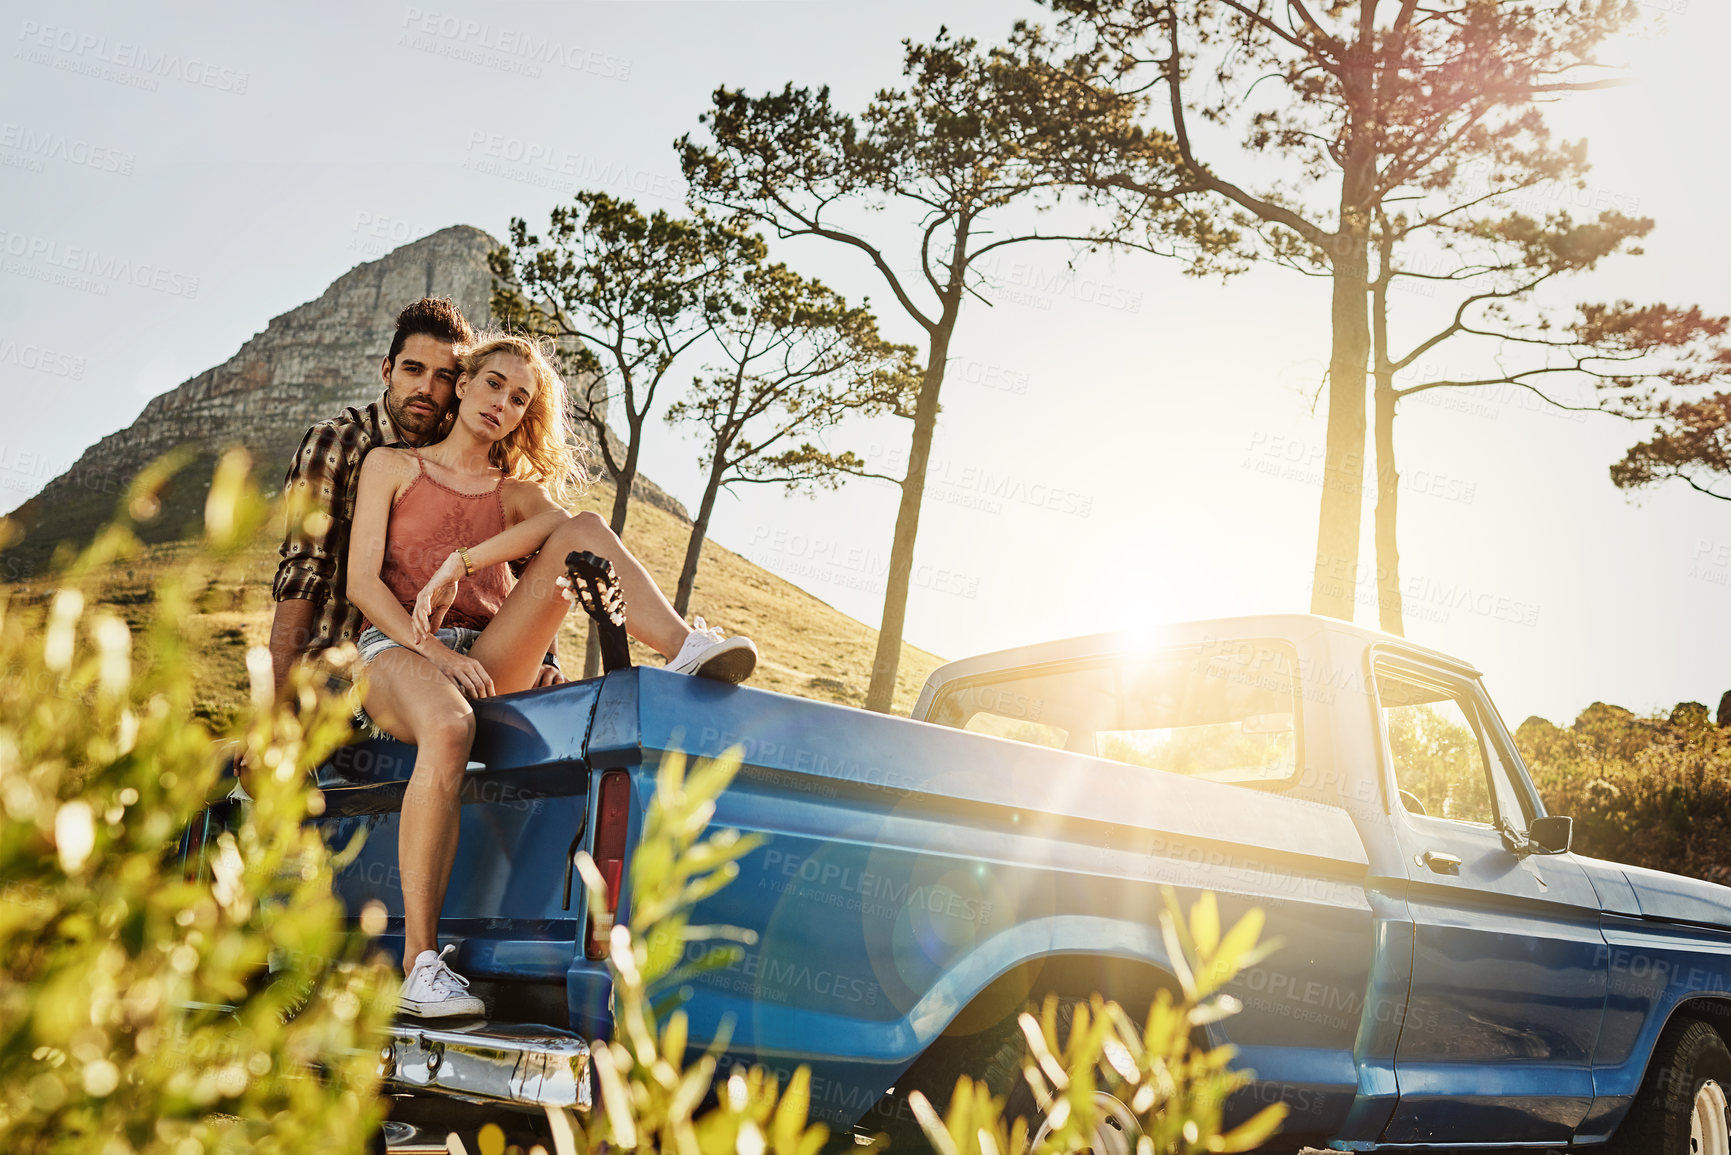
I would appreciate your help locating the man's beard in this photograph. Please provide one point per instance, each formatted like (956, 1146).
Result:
(421, 423)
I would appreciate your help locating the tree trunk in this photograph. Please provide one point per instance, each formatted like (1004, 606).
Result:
(592, 652)
(1333, 584)
(1388, 604)
(699, 531)
(882, 692)
(622, 491)
(1389, 610)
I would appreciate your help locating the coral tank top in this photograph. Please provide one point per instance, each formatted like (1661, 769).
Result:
(428, 523)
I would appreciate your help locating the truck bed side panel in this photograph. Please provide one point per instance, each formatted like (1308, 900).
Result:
(524, 797)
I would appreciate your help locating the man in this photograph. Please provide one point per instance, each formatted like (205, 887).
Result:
(420, 376)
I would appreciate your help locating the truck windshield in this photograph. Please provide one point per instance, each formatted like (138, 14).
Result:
(1226, 713)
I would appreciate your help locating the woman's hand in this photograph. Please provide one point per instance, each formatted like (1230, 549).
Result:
(470, 676)
(436, 597)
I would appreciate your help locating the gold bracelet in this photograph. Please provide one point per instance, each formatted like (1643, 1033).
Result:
(468, 567)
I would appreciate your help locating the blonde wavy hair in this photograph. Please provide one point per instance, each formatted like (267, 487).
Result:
(541, 448)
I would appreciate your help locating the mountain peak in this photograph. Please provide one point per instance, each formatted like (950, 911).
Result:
(305, 366)
(338, 339)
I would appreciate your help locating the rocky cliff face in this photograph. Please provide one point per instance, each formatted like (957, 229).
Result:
(305, 366)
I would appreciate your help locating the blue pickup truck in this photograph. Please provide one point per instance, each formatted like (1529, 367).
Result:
(1452, 975)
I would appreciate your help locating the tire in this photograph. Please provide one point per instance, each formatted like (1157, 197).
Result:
(1002, 1070)
(1115, 1130)
(994, 1057)
(1681, 1108)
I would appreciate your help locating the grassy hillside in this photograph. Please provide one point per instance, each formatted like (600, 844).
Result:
(807, 647)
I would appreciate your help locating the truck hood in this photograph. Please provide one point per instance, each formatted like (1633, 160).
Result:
(1677, 899)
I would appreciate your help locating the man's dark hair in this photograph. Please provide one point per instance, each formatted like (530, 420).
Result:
(436, 317)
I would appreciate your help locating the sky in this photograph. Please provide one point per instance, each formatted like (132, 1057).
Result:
(1119, 445)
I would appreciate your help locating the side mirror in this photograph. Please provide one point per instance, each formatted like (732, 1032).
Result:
(1551, 834)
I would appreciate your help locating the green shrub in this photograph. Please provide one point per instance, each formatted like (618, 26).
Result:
(138, 1009)
(1650, 791)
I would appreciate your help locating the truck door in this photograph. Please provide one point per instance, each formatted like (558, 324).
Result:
(1508, 979)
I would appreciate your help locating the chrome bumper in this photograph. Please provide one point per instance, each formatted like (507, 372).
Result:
(520, 1063)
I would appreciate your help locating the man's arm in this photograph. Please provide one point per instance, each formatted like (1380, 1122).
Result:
(290, 629)
(305, 575)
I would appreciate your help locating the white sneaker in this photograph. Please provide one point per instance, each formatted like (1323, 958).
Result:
(708, 655)
(435, 991)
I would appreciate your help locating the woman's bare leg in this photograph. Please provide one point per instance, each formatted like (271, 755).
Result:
(513, 642)
(409, 699)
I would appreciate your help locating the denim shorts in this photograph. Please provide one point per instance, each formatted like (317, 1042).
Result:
(374, 641)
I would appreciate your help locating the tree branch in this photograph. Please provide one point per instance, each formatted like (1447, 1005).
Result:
(1268, 211)
(1698, 488)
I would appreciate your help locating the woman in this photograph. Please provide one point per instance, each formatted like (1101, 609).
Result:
(446, 623)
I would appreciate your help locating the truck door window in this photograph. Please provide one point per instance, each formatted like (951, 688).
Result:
(1505, 774)
(1438, 757)
(1508, 800)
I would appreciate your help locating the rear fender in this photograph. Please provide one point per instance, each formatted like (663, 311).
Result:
(1059, 955)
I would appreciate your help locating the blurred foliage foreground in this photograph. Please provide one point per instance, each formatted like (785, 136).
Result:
(139, 1011)
(143, 1012)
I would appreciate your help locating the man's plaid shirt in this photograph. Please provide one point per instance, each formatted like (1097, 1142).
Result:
(320, 485)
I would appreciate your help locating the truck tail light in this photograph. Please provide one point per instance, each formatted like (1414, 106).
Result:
(612, 817)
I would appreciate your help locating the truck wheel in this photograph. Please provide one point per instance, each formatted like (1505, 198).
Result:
(992, 1056)
(1682, 1106)
(1115, 1127)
